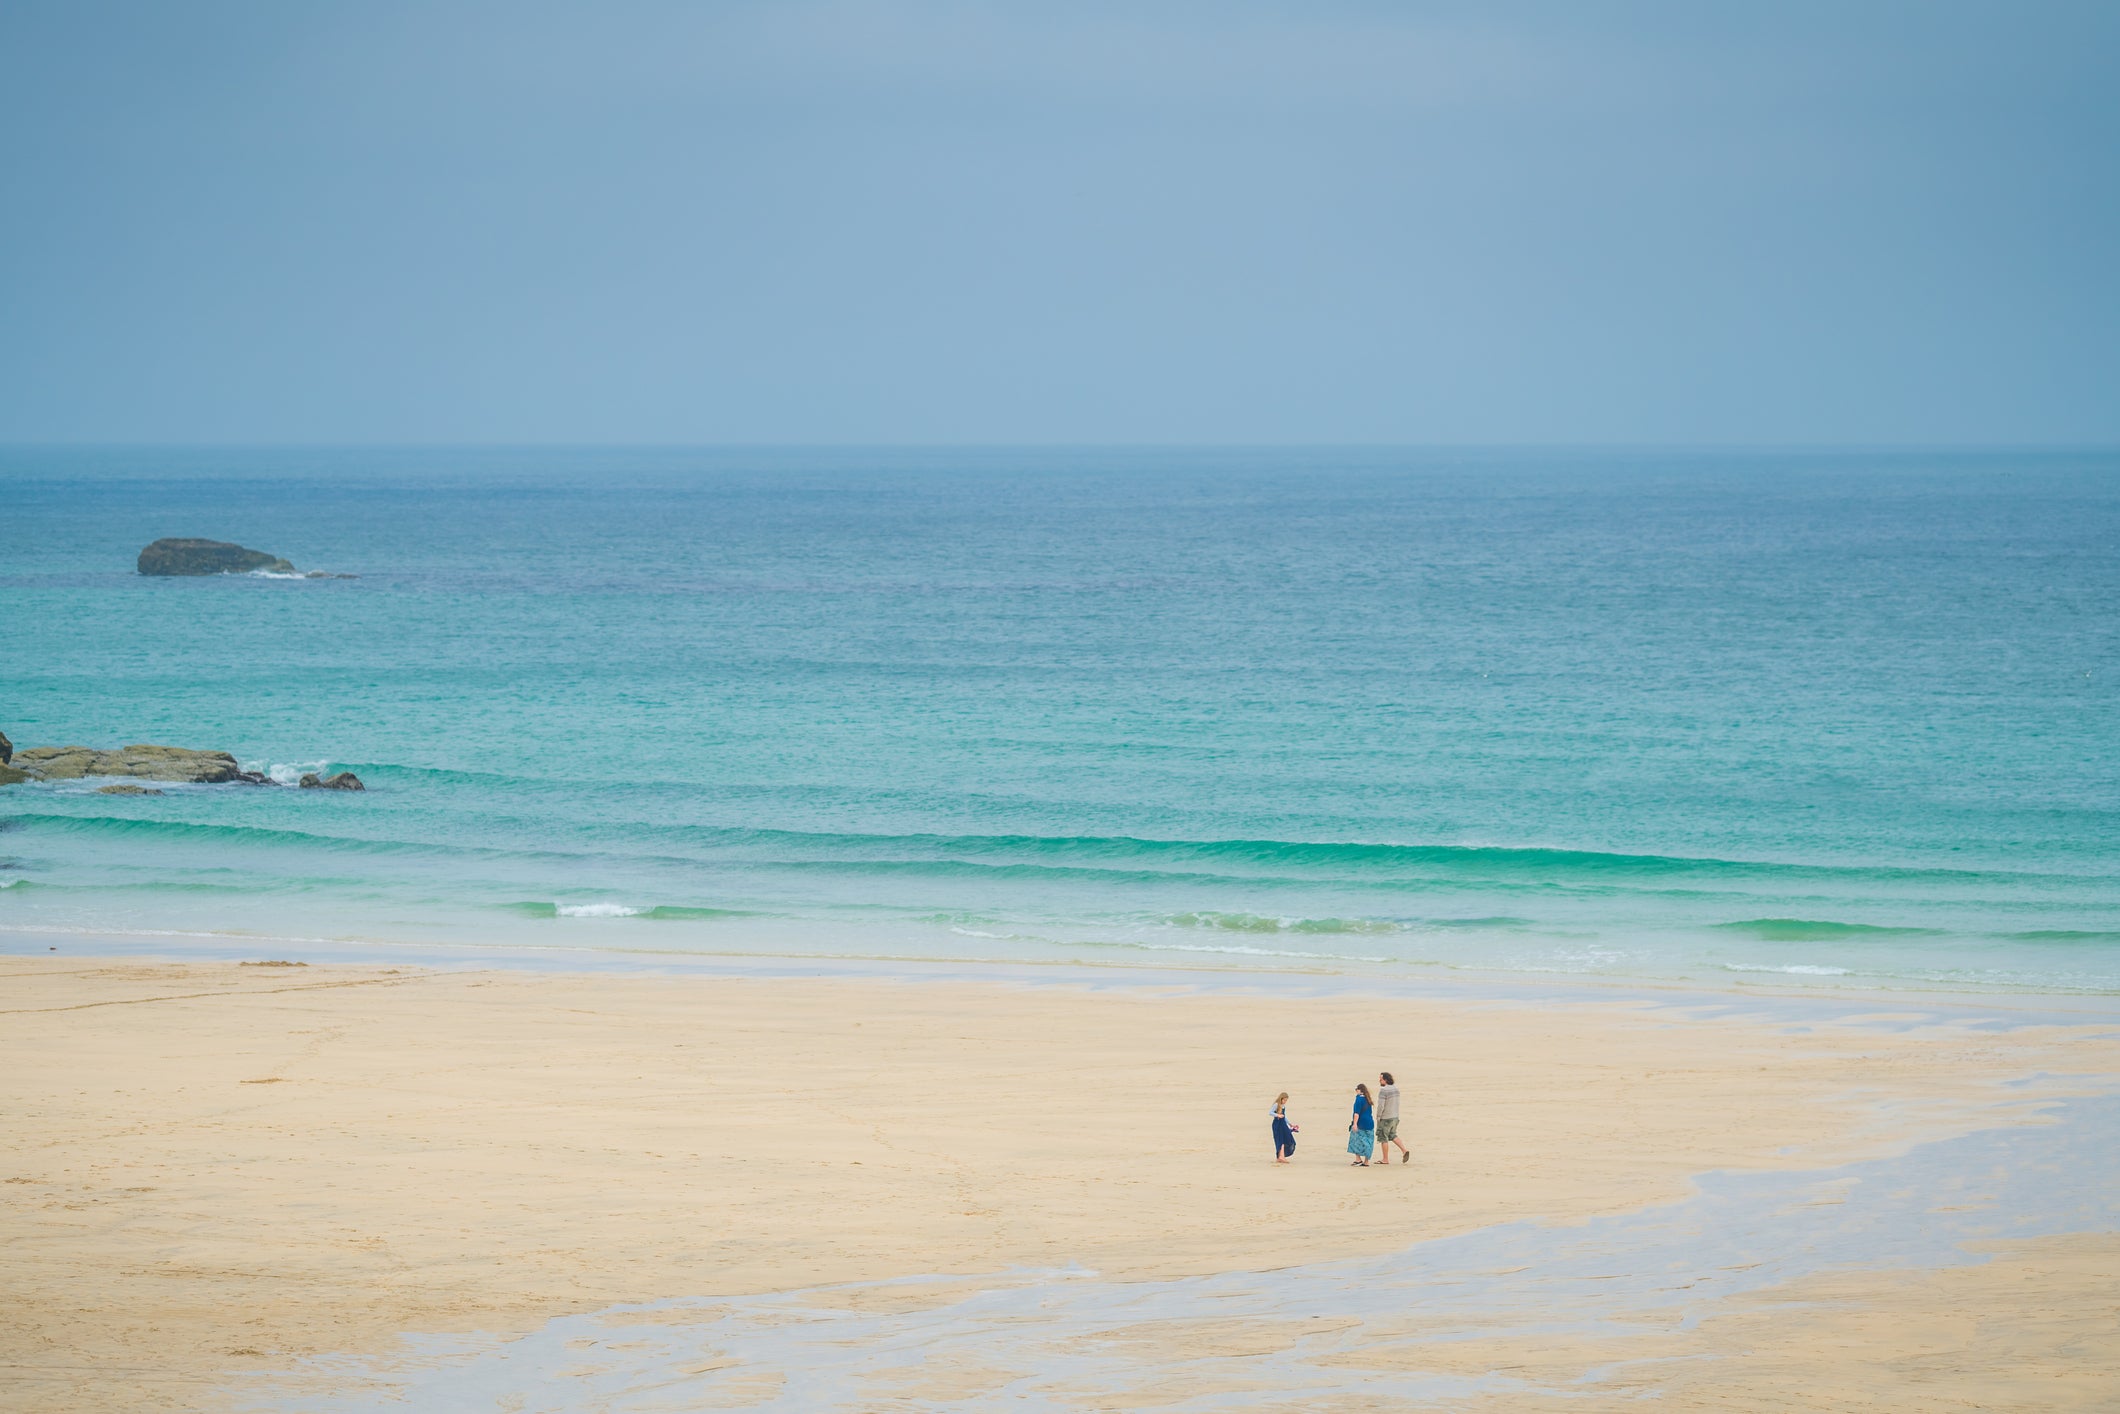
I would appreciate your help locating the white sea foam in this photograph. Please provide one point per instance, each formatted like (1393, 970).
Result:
(599, 910)
(1238, 950)
(1594, 957)
(284, 772)
(1268, 923)
(1801, 969)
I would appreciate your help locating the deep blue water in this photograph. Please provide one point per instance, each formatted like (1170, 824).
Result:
(1840, 717)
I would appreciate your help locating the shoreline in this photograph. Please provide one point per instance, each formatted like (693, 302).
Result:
(1408, 980)
(329, 1159)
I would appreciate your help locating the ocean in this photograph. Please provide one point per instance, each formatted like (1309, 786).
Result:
(1828, 719)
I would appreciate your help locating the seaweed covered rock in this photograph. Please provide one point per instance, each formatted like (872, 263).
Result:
(142, 761)
(128, 790)
(176, 557)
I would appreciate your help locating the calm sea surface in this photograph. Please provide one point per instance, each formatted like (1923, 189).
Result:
(1845, 718)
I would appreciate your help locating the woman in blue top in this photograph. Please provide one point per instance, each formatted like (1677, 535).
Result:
(1362, 1129)
(1284, 1133)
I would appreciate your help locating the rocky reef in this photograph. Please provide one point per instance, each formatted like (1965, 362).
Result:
(140, 761)
(172, 557)
(144, 762)
(205, 557)
(344, 780)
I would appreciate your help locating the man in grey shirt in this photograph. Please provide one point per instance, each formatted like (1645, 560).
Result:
(1388, 1119)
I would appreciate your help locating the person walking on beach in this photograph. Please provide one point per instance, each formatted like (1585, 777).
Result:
(1388, 1118)
(1361, 1130)
(1284, 1133)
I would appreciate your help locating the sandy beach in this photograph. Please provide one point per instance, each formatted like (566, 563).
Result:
(704, 700)
(214, 1171)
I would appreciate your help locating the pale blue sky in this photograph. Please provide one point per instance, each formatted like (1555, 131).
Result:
(840, 221)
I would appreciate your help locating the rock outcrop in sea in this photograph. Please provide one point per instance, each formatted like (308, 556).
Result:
(144, 762)
(206, 557)
(174, 557)
(141, 761)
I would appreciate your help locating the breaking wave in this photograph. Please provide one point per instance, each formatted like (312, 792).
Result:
(536, 908)
(1488, 868)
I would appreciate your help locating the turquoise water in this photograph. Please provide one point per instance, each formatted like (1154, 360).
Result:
(1837, 719)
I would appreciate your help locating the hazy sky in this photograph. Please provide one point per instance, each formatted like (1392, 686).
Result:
(1075, 222)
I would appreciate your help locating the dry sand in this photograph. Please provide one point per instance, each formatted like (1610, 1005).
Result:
(212, 1168)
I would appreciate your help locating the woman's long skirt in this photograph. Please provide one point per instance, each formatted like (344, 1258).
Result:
(1362, 1142)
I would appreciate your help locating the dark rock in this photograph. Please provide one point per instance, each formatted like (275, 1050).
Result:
(154, 763)
(344, 780)
(170, 557)
(7, 749)
(128, 790)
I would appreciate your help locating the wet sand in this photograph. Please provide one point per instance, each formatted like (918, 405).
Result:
(215, 1172)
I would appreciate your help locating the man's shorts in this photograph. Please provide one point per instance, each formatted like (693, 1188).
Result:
(1387, 1130)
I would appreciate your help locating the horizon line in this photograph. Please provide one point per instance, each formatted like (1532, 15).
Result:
(7, 445)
